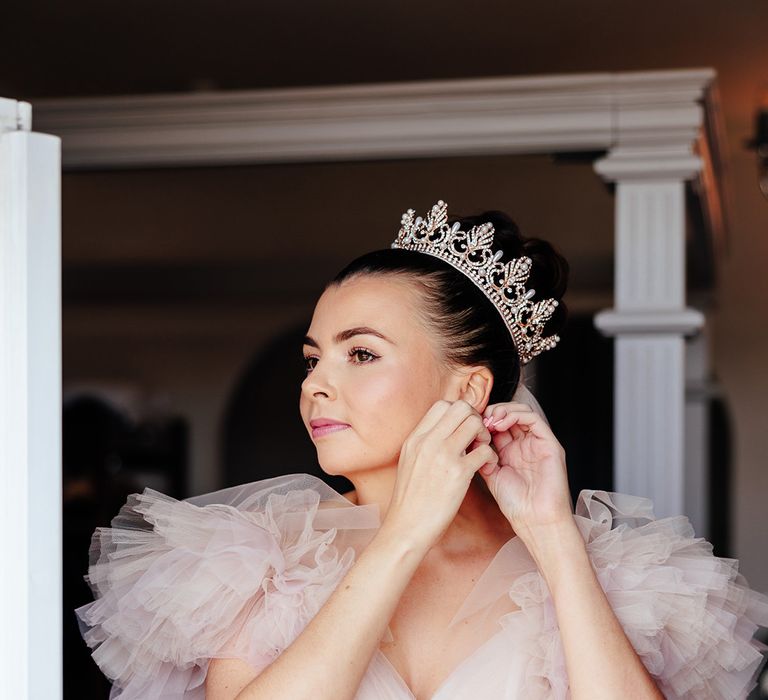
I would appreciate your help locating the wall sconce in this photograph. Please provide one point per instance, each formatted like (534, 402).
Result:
(760, 141)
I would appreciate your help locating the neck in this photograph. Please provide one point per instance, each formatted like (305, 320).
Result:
(478, 517)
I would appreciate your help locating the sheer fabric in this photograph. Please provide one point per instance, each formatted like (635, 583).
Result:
(240, 572)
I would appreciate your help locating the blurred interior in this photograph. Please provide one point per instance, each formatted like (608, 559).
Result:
(187, 290)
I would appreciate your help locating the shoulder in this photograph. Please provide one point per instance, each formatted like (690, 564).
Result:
(234, 574)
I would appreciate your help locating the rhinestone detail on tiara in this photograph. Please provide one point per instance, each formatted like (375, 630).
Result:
(471, 252)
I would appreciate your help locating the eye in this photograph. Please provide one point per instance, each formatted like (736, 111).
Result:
(352, 353)
(363, 351)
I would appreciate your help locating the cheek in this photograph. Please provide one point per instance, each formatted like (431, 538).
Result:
(390, 403)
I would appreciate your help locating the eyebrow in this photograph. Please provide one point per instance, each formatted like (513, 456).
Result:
(349, 333)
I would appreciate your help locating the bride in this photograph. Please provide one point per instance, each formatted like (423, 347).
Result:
(457, 566)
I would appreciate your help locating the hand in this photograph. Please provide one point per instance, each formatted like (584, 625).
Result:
(437, 463)
(529, 481)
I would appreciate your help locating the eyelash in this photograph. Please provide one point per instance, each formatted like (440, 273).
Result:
(351, 353)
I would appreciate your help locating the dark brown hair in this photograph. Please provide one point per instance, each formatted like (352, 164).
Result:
(466, 325)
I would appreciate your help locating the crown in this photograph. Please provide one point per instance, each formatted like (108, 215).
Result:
(471, 252)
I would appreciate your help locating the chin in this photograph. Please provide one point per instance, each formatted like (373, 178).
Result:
(334, 463)
(331, 469)
(342, 467)
(349, 466)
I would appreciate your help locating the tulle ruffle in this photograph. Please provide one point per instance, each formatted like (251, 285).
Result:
(240, 573)
(689, 615)
(177, 583)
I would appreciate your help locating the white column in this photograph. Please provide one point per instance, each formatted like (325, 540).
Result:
(699, 391)
(649, 321)
(30, 409)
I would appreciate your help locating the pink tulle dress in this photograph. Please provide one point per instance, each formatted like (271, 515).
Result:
(240, 572)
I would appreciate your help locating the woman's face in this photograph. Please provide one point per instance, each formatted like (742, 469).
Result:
(379, 387)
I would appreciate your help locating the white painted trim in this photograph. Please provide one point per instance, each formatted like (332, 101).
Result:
(650, 319)
(698, 396)
(683, 321)
(30, 412)
(14, 115)
(649, 164)
(579, 112)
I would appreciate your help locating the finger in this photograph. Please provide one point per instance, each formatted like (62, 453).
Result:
(488, 470)
(528, 421)
(432, 417)
(518, 433)
(506, 430)
(499, 410)
(495, 419)
(455, 416)
(480, 457)
(470, 430)
(480, 440)
(502, 439)
(482, 436)
(493, 413)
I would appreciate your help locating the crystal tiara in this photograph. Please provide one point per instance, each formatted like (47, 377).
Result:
(471, 252)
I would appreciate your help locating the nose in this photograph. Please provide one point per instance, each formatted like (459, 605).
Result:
(317, 382)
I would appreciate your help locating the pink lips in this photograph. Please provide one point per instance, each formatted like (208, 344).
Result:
(323, 426)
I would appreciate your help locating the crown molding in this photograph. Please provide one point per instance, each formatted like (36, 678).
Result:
(507, 115)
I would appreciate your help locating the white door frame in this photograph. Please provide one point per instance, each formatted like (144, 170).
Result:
(30, 408)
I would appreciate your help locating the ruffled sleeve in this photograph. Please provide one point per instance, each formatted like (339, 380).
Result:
(689, 615)
(235, 573)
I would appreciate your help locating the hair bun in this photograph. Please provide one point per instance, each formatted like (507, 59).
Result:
(549, 269)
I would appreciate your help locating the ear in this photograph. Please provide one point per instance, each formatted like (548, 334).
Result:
(475, 387)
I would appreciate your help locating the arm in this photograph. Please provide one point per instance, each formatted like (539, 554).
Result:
(329, 658)
(594, 642)
(331, 655)
(530, 485)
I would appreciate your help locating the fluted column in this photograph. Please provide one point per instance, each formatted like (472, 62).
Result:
(650, 320)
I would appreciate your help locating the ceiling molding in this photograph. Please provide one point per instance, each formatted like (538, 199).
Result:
(515, 115)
